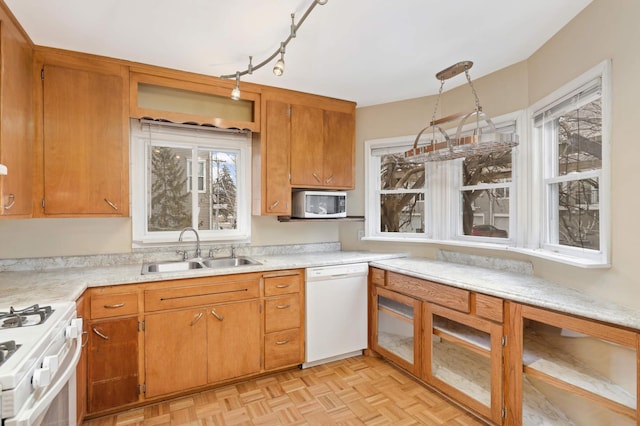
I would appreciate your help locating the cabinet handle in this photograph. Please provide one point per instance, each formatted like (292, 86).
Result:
(217, 315)
(12, 201)
(282, 342)
(314, 174)
(196, 319)
(273, 206)
(85, 333)
(100, 334)
(282, 285)
(329, 179)
(113, 206)
(116, 306)
(282, 306)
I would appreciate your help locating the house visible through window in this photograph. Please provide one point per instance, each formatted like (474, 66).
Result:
(169, 162)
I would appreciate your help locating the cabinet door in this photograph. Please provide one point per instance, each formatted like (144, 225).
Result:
(276, 186)
(307, 127)
(16, 131)
(462, 357)
(85, 131)
(233, 336)
(339, 150)
(113, 363)
(175, 351)
(396, 328)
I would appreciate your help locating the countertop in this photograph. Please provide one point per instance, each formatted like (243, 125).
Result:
(513, 286)
(22, 288)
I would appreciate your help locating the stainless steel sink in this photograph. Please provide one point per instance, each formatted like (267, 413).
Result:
(229, 262)
(187, 265)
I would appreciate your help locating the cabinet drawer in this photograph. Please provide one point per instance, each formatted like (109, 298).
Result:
(274, 286)
(377, 276)
(113, 305)
(170, 298)
(282, 348)
(450, 297)
(282, 313)
(488, 307)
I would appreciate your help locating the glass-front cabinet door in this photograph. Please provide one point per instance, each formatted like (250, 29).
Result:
(462, 356)
(396, 328)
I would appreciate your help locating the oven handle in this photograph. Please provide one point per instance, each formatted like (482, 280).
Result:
(31, 416)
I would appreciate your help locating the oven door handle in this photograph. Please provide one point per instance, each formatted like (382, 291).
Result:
(38, 404)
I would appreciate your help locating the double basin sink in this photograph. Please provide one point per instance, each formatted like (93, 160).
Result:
(188, 265)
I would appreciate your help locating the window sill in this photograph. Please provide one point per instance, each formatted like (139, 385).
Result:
(593, 263)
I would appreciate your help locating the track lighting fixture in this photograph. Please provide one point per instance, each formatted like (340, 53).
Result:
(278, 68)
(441, 146)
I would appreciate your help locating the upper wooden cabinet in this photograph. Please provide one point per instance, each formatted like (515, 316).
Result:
(85, 136)
(16, 120)
(322, 148)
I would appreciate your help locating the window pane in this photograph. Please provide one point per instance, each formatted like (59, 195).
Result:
(580, 139)
(397, 173)
(488, 168)
(485, 213)
(218, 206)
(170, 202)
(402, 213)
(578, 213)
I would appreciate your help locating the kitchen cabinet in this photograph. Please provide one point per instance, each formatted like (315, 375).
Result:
(214, 336)
(284, 319)
(112, 355)
(82, 164)
(570, 370)
(16, 119)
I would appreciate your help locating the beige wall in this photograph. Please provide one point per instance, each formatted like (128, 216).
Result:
(604, 30)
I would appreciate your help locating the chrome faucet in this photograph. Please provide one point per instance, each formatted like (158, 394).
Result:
(189, 228)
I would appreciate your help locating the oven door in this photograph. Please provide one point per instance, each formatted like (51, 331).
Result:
(53, 401)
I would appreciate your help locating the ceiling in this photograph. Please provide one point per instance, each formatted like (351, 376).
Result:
(368, 51)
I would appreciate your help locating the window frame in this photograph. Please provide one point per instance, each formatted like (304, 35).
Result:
(145, 134)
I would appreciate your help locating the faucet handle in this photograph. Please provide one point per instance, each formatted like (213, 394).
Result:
(183, 253)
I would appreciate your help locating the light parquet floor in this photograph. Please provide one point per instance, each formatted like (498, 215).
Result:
(354, 391)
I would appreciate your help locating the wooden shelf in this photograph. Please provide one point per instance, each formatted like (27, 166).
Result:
(317, 219)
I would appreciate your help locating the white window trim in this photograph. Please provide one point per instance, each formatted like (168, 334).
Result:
(190, 176)
(171, 136)
(538, 190)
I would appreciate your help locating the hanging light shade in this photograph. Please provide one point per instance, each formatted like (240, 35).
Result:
(440, 145)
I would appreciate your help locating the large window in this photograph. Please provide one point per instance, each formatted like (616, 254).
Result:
(169, 163)
(571, 129)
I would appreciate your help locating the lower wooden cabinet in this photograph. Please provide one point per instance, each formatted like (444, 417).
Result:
(112, 363)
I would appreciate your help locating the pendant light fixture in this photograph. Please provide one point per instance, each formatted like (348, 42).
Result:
(442, 146)
(278, 68)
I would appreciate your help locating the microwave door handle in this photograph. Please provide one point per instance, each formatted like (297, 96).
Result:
(31, 416)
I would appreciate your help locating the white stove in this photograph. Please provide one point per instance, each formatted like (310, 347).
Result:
(40, 346)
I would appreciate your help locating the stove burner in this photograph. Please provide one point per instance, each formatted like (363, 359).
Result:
(32, 315)
(7, 349)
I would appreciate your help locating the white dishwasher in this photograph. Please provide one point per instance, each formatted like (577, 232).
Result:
(336, 312)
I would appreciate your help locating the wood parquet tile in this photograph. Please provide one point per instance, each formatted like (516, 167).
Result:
(355, 391)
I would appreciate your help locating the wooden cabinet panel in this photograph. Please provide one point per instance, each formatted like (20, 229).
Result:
(488, 307)
(307, 138)
(113, 305)
(234, 340)
(453, 298)
(85, 140)
(283, 348)
(285, 284)
(175, 351)
(276, 187)
(16, 121)
(377, 276)
(282, 313)
(81, 370)
(113, 363)
(339, 150)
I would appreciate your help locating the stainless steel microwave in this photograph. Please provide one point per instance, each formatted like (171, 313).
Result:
(319, 204)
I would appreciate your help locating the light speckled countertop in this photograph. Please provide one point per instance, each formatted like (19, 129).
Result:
(21, 288)
(513, 286)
